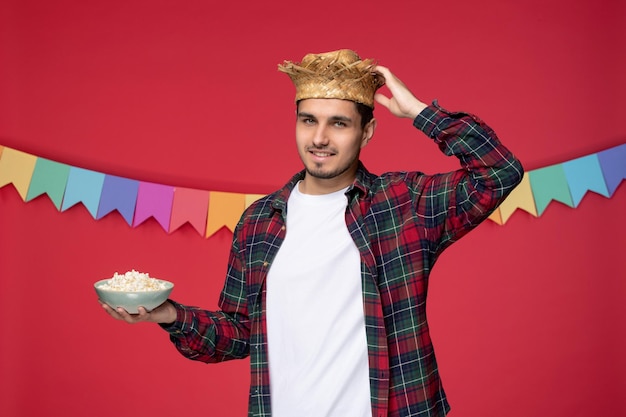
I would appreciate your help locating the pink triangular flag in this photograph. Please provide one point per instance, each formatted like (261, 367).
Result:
(191, 206)
(154, 200)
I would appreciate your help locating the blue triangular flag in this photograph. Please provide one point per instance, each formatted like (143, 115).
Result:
(83, 186)
(584, 174)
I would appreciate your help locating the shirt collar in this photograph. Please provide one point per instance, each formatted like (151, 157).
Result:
(361, 185)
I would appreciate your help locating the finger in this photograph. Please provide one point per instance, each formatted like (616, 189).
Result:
(126, 316)
(111, 311)
(382, 100)
(142, 314)
(393, 83)
(384, 71)
(122, 313)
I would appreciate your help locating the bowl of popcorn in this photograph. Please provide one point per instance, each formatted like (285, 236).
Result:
(132, 290)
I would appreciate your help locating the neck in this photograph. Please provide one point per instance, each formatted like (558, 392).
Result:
(318, 186)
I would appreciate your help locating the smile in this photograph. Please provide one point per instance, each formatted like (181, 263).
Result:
(321, 154)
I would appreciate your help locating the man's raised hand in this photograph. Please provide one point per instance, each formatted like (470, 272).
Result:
(402, 102)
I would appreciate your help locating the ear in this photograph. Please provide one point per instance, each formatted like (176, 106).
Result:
(368, 132)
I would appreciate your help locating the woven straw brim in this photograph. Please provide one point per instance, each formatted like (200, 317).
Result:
(330, 76)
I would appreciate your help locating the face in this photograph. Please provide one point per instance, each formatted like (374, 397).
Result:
(329, 137)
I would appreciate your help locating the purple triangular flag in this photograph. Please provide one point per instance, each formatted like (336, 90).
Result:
(613, 163)
(118, 194)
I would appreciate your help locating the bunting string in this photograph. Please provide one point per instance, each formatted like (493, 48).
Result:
(209, 211)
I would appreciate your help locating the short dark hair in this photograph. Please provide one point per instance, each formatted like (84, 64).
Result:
(366, 112)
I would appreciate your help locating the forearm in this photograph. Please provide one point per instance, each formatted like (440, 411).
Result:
(208, 336)
(488, 173)
(216, 336)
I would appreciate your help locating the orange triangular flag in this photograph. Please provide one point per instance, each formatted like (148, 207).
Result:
(225, 209)
(496, 216)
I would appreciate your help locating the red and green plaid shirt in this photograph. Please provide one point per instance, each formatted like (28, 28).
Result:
(400, 222)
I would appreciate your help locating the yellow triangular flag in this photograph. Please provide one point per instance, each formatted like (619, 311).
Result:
(251, 198)
(17, 167)
(521, 197)
(224, 210)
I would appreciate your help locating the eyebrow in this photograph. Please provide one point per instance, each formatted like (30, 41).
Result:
(332, 118)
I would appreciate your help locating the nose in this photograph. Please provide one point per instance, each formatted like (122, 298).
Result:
(320, 139)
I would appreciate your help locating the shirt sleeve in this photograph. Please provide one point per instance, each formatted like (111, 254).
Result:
(453, 203)
(215, 336)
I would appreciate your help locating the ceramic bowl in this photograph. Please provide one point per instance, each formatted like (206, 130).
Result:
(131, 300)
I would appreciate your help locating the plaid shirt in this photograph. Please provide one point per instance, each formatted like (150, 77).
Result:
(400, 222)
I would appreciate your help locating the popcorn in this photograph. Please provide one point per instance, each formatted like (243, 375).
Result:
(133, 281)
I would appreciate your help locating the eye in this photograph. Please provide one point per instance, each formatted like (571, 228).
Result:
(340, 124)
(307, 120)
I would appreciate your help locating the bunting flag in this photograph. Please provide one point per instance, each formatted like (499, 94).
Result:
(209, 211)
(83, 186)
(51, 178)
(520, 198)
(251, 198)
(17, 168)
(154, 200)
(549, 184)
(118, 194)
(190, 206)
(224, 210)
(585, 174)
(613, 163)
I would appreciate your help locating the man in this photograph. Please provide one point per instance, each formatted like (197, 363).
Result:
(327, 277)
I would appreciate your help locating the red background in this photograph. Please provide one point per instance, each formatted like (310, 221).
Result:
(528, 318)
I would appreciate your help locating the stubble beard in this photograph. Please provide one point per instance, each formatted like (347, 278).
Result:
(319, 173)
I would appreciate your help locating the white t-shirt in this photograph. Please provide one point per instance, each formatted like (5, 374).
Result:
(318, 359)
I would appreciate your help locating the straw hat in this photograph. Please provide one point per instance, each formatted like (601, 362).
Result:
(338, 74)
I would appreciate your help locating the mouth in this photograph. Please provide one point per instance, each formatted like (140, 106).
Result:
(320, 154)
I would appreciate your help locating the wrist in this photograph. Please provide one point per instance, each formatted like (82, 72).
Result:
(168, 313)
(416, 110)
